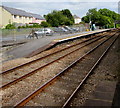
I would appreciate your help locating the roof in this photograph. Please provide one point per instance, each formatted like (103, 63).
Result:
(37, 16)
(19, 12)
(75, 16)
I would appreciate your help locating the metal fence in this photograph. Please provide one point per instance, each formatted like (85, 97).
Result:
(21, 34)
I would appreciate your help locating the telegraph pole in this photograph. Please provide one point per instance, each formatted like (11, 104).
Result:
(119, 7)
(90, 22)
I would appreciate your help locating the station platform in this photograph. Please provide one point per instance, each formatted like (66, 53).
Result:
(36, 46)
(102, 96)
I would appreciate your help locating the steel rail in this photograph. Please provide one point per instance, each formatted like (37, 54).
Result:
(34, 71)
(89, 73)
(28, 63)
(49, 82)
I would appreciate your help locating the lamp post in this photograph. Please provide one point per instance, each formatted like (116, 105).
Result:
(90, 22)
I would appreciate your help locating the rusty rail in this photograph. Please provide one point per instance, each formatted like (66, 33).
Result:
(41, 88)
(89, 73)
(28, 63)
(34, 71)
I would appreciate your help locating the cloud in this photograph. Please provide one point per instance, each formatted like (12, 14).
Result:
(60, 1)
(94, 1)
(78, 8)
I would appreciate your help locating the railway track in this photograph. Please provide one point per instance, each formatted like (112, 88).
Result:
(91, 71)
(59, 90)
(89, 52)
(14, 80)
(33, 61)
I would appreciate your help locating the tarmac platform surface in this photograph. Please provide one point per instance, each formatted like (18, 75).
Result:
(32, 46)
(102, 96)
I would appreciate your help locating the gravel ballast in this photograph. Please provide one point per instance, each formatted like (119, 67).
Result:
(14, 92)
(106, 72)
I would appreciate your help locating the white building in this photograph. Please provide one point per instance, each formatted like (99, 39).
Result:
(77, 19)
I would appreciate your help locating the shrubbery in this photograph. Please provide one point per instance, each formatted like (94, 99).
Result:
(10, 26)
(45, 24)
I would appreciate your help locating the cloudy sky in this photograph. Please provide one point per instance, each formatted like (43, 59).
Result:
(78, 7)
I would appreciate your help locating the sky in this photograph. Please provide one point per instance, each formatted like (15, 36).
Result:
(77, 7)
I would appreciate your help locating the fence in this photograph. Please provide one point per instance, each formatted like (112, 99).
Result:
(15, 34)
(20, 34)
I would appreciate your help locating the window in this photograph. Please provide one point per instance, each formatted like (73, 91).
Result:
(36, 18)
(20, 16)
(15, 16)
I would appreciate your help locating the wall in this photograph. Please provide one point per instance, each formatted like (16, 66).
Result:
(77, 20)
(5, 17)
(22, 19)
(37, 21)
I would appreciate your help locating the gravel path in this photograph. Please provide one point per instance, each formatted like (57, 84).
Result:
(14, 92)
(16, 62)
(67, 82)
(106, 72)
(26, 69)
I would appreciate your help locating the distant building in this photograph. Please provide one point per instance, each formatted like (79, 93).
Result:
(77, 19)
(37, 18)
(20, 17)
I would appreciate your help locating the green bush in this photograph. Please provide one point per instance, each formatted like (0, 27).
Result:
(36, 25)
(10, 26)
(45, 24)
(30, 26)
(117, 25)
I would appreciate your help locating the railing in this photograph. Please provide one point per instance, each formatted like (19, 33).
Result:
(21, 34)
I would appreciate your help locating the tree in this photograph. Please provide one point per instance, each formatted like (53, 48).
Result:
(51, 19)
(104, 21)
(86, 19)
(59, 18)
(109, 13)
(67, 13)
(93, 15)
(45, 24)
(102, 17)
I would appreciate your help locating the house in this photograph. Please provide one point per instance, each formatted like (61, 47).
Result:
(77, 19)
(37, 18)
(20, 17)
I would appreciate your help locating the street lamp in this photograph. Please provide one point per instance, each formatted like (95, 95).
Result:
(90, 22)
